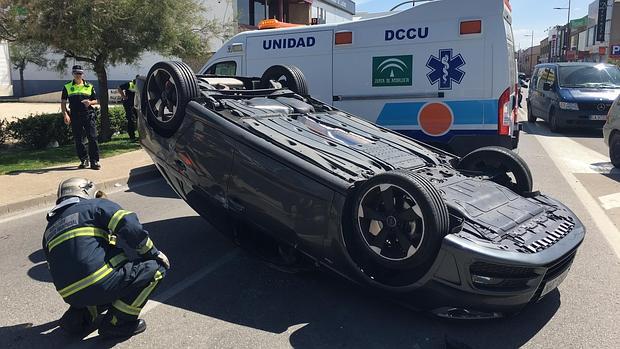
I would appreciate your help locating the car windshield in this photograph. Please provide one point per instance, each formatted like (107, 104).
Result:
(599, 75)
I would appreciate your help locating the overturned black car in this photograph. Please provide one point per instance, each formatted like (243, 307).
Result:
(462, 237)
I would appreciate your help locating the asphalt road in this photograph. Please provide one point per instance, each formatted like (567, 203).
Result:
(217, 296)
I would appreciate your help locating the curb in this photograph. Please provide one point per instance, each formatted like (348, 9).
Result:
(135, 176)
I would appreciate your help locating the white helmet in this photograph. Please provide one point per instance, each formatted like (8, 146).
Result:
(80, 187)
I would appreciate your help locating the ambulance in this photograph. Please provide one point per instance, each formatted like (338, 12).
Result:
(442, 72)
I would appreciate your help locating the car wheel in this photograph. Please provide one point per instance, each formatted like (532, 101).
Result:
(554, 122)
(169, 87)
(614, 150)
(530, 116)
(399, 219)
(501, 165)
(289, 76)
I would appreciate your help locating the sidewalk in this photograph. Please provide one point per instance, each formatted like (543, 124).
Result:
(28, 189)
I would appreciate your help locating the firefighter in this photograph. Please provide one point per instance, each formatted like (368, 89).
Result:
(82, 117)
(127, 92)
(91, 273)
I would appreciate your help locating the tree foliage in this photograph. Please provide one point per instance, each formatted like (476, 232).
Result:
(110, 32)
(23, 53)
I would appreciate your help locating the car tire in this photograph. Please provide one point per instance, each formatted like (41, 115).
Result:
(554, 122)
(169, 87)
(614, 149)
(530, 116)
(498, 163)
(289, 76)
(409, 236)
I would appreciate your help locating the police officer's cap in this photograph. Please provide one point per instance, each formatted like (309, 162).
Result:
(77, 69)
(78, 187)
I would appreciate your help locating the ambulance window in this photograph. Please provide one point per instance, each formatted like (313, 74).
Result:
(223, 68)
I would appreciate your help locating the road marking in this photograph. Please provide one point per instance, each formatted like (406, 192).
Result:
(557, 148)
(173, 291)
(194, 278)
(610, 201)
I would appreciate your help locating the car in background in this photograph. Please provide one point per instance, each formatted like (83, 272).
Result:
(611, 132)
(572, 94)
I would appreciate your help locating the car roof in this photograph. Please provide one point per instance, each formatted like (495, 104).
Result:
(569, 64)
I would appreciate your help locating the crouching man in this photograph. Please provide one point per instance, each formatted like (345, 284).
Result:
(89, 271)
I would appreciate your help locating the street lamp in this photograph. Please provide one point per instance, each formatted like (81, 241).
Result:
(567, 29)
(531, 50)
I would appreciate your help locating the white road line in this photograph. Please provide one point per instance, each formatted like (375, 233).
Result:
(175, 290)
(189, 281)
(560, 151)
(610, 201)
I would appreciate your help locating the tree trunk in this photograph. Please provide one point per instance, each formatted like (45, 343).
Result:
(102, 77)
(21, 82)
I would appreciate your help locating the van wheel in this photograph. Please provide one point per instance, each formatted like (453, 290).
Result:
(530, 116)
(554, 122)
(399, 221)
(614, 149)
(289, 76)
(501, 165)
(169, 87)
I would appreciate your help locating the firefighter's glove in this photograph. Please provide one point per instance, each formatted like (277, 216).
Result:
(163, 260)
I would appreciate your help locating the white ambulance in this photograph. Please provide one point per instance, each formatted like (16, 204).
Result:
(441, 71)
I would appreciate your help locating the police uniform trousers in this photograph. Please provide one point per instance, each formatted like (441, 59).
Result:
(130, 114)
(123, 292)
(85, 125)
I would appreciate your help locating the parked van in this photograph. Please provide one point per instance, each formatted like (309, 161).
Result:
(577, 94)
(442, 71)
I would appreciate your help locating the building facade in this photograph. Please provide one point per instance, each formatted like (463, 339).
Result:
(246, 14)
(528, 59)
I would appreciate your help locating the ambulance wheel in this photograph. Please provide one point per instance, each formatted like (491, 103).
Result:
(399, 221)
(501, 165)
(169, 87)
(289, 76)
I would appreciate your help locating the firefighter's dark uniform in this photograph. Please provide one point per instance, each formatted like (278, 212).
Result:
(83, 119)
(87, 267)
(130, 111)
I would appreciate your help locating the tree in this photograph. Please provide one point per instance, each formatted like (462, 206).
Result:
(110, 32)
(24, 53)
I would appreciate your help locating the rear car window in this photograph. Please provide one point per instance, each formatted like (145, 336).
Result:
(223, 68)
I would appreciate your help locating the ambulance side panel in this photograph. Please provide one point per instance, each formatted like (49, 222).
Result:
(309, 50)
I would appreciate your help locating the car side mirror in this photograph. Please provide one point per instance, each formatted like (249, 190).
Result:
(546, 86)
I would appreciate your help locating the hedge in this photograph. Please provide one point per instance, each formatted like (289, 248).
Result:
(40, 130)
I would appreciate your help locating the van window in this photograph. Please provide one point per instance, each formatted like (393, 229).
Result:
(599, 75)
(551, 76)
(534, 78)
(541, 78)
(223, 68)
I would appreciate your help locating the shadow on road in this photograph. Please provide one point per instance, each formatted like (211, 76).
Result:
(317, 309)
(45, 170)
(138, 178)
(541, 128)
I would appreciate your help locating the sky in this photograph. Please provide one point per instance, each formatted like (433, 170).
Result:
(527, 15)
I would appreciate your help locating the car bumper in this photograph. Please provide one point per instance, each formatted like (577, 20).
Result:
(455, 289)
(570, 118)
(464, 144)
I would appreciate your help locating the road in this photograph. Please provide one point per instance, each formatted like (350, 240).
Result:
(217, 296)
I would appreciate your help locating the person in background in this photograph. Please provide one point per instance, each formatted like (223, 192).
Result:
(128, 92)
(81, 116)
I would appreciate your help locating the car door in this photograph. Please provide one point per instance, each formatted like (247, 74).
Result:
(537, 93)
(550, 96)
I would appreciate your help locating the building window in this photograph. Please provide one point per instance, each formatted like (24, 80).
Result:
(251, 12)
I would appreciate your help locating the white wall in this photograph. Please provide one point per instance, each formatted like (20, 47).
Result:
(6, 88)
(333, 14)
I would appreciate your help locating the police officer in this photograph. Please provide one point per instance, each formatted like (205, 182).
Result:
(89, 271)
(82, 97)
(127, 92)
